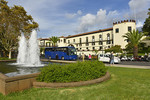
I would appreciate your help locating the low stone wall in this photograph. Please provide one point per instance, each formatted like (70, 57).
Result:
(71, 84)
(19, 83)
(16, 83)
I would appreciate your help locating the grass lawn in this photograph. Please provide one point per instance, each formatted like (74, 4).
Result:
(125, 84)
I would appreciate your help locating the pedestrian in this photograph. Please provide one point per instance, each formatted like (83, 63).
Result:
(111, 58)
(83, 56)
(79, 55)
(90, 57)
(145, 57)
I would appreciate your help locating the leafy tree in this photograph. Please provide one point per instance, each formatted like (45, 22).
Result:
(129, 48)
(146, 26)
(134, 38)
(115, 49)
(13, 21)
(96, 51)
(54, 40)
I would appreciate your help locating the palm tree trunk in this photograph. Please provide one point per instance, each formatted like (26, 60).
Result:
(135, 51)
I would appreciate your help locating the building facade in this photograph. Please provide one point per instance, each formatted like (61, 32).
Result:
(100, 39)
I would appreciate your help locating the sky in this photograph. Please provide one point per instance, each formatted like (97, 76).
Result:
(70, 17)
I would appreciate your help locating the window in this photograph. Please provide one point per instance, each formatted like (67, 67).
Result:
(108, 36)
(80, 40)
(87, 41)
(100, 38)
(108, 41)
(74, 41)
(100, 48)
(64, 40)
(93, 43)
(47, 44)
(87, 48)
(117, 30)
(129, 28)
(108, 46)
(93, 39)
(68, 41)
(100, 43)
(93, 48)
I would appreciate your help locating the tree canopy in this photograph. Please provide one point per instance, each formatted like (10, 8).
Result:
(54, 40)
(133, 38)
(115, 49)
(13, 21)
(146, 26)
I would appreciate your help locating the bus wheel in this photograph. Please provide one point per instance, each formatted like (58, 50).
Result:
(62, 58)
(49, 57)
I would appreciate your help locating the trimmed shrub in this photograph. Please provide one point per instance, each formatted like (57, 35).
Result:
(80, 71)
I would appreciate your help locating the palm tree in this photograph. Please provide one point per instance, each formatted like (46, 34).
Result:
(54, 40)
(134, 37)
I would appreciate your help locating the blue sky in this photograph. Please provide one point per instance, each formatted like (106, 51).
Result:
(68, 17)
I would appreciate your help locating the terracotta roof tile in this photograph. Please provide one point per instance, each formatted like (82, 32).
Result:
(89, 32)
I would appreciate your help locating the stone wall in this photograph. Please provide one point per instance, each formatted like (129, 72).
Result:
(19, 83)
(16, 83)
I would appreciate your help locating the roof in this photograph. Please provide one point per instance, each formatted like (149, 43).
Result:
(43, 39)
(89, 33)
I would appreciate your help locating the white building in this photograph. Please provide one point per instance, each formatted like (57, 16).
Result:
(100, 39)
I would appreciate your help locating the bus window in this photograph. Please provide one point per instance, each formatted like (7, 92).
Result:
(72, 51)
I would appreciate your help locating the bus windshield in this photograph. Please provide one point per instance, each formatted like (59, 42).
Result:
(72, 51)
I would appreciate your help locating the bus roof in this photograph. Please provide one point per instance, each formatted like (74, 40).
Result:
(62, 47)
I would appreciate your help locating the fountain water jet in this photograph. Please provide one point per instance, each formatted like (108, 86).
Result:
(21, 58)
(29, 52)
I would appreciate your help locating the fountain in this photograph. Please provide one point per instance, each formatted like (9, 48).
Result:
(28, 59)
(28, 51)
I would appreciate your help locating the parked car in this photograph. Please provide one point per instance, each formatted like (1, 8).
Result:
(123, 58)
(106, 58)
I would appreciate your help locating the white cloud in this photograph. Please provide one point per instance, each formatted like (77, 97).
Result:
(85, 22)
(72, 15)
(100, 20)
(138, 9)
(139, 24)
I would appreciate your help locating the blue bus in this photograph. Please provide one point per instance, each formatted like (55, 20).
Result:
(63, 53)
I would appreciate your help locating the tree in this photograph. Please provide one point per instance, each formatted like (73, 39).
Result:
(13, 21)
(146, 26)
(115, 49)
(54, 40)
(134, 37)
(95, 51)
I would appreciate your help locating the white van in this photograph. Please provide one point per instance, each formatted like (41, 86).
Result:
(106, 58)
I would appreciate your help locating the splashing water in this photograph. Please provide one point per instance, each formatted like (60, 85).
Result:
(21, 58)
(29, 52)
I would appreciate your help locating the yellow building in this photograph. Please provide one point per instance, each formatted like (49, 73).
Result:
(100, 39)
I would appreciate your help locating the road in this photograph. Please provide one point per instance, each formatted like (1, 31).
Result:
(135, 63)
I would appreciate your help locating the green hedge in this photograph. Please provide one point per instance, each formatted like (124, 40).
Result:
(80, 71)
